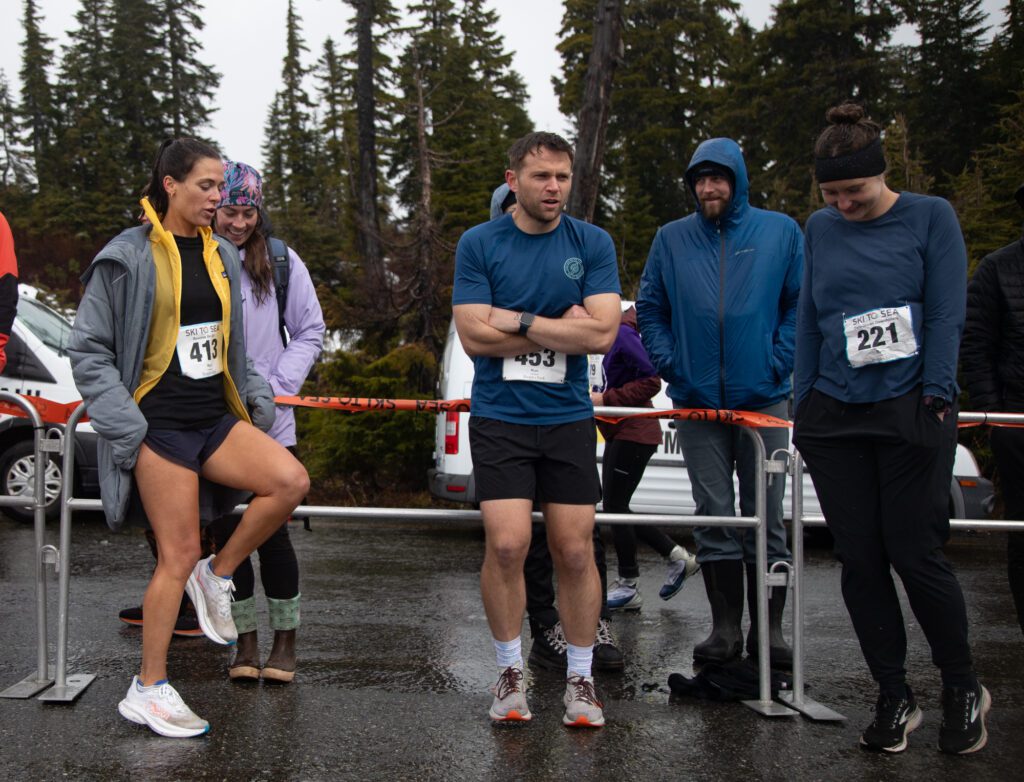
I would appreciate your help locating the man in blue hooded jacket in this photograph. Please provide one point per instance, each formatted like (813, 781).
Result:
(717, 314)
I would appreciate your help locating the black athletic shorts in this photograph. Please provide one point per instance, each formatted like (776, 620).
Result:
(556, 463)
(190, 447)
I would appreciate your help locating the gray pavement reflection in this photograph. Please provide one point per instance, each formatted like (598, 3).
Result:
(395, 662)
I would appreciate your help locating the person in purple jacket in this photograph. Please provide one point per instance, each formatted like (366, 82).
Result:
(630, 380)
(285, 366)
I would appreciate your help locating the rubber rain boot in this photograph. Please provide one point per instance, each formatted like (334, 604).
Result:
(246, 664)
(780, 652)
(723, 581)
(284, 619)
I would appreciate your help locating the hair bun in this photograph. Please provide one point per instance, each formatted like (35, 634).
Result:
(847, 113)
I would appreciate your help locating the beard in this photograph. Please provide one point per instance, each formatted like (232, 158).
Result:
(712, 210)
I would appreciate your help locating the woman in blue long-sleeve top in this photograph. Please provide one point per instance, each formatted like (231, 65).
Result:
(878, 329)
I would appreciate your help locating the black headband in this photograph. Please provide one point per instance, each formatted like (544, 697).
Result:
(869, 161)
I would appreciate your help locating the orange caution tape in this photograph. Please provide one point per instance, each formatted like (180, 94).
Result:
(736, 417)
(369, 404)
(50, 412)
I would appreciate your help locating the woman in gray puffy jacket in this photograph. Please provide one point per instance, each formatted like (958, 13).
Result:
(158, 354)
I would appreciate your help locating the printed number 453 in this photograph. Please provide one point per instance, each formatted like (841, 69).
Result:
(543, 358)
(872, 338)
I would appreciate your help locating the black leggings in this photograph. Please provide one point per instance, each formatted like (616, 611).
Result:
(1008, 450)
(882, 472)
(624, 465)
(279, 568)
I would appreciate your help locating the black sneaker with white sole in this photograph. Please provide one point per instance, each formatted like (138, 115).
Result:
(549, 648)
(963, 719)
(895, 717)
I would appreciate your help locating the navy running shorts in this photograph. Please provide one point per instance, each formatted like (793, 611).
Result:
(555, 463)
(190, 448)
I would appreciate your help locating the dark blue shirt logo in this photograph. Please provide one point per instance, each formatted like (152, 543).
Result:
(573, 268)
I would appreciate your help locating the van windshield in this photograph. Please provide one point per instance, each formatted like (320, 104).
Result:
(53, 330)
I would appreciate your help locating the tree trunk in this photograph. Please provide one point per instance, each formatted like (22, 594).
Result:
(593, 118)
(366, 195)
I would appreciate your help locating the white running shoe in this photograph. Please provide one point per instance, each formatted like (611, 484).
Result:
(582, 708)
(162, 709)
(211, 595)
(510, 696)
(624, 596)
(681, 565)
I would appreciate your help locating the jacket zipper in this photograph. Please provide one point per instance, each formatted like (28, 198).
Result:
(721, 315)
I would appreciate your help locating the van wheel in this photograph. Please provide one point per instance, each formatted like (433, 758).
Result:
(17, 477)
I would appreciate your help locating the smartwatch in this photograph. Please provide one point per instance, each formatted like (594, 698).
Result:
(525, 321)
(937, 404)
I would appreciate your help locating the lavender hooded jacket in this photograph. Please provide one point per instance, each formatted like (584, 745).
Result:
(285, 368)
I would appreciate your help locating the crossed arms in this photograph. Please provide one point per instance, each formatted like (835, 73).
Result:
(492, 331)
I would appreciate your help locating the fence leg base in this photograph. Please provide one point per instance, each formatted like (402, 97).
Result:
(811, 709)
(74, 686)
(28, 686)
(770, 709)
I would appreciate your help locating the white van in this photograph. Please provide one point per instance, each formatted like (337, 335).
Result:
(38, 365)
(664, 488)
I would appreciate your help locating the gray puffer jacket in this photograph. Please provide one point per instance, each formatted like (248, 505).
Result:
(107, 347)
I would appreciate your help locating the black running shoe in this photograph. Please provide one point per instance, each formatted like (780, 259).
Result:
(894, 719)
(549, 649)
(607, 656)
(963, 719)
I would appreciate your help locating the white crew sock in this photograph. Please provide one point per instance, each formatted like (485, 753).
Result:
(579, 660)
(509, 652)
(677, 554)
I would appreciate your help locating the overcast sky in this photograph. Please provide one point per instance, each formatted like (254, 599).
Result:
(244, 41)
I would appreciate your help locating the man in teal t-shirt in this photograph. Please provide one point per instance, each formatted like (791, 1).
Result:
(534, 293)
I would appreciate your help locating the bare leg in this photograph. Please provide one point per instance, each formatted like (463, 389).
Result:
(507, 534)
(570, 531)
(248, 459)
(170, 495)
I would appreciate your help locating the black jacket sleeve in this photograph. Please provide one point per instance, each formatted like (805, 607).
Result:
(981, 343)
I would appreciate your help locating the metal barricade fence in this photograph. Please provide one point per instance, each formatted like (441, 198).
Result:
(66, 688)
(45, 554)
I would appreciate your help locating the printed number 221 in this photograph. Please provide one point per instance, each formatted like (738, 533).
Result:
(877, 332)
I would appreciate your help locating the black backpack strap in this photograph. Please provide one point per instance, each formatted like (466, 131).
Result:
(279, 262)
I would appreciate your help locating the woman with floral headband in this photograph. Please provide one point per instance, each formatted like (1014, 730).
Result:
(285, 363)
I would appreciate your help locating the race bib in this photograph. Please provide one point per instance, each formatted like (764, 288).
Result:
(595, 369)
(544, 366)
(879, 336)
(201, 350)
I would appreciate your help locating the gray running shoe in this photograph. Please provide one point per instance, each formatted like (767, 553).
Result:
(624, 595)
(582, 708)
(678, 571)
(211, 595)
(510, 696)
(162, 709)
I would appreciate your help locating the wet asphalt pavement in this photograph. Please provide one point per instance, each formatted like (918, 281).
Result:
(395, 662)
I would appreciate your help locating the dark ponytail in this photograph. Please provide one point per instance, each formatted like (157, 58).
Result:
(175, 158)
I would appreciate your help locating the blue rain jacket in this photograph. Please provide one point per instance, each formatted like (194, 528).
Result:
(717, 303)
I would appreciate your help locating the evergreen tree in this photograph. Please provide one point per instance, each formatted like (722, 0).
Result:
(291, 150)
(947, 95)
(89, 155)
(906, 170)
(14, 169)
(815, 54)
(37, 109)
(190, 86)
(138, 72)
(983, 192)
(373, 22)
